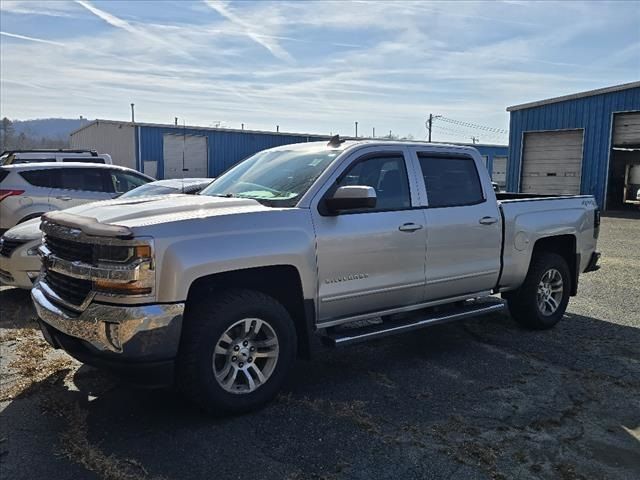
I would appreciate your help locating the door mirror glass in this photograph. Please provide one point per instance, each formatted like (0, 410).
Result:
(352, 197)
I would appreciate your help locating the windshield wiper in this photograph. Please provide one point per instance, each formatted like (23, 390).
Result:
(224, 195)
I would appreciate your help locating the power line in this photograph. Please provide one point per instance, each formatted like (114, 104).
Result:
(465, 134)
(473, 125)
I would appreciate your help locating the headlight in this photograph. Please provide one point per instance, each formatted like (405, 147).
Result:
(122, 254)
(137, 260)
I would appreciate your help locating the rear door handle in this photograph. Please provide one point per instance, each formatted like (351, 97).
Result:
(488, 220)
(65, 198)
(409, 227)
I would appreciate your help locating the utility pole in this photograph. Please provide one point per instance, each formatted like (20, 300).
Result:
(429, 123)
(374, 132)
(176, 120)
(133, 116)
(356, 129)
(278, 128)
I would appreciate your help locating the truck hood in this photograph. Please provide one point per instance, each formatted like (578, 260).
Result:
(144, 211)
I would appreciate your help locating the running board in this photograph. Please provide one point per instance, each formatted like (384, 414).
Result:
(418, 320)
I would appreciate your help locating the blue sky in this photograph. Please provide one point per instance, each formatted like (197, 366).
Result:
(310, 66)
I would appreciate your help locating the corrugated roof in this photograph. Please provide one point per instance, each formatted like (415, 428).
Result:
(574, 96)
(193, 127)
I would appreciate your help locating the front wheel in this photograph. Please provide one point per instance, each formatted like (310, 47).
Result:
(236, 351)
(542, 299)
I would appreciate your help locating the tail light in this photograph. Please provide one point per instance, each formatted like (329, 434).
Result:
(9, 193)
(596, 223)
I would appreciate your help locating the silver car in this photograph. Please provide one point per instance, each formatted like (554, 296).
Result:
(19, 261)
(29, 190)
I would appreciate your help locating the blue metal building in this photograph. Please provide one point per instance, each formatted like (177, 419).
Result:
(585, 143)
(171, 151)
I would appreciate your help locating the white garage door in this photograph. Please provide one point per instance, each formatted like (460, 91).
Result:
(499, 171)
(192, 148)
(552, 162)
(626, 130)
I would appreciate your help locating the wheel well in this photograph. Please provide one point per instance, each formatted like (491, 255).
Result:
(281, 282)
(565, 246)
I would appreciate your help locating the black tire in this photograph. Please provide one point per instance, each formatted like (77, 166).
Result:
(523, 302)
(207, 317)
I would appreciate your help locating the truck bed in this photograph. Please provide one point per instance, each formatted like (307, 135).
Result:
(529, 217)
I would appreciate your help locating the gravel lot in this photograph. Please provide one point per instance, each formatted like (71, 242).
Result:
(474, 400)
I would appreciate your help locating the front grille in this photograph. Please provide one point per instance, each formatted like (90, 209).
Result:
(71, 290)
(8, 245)
(69, 249)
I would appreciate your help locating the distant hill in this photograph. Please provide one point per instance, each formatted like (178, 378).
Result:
(48, 127)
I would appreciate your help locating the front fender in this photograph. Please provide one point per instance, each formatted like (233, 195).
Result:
(257, 243)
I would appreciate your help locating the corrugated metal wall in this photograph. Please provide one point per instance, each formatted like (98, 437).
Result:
(107, 137)
(594, 114)
(226, 148)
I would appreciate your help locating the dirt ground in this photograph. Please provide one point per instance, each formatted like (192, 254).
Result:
(480, 399)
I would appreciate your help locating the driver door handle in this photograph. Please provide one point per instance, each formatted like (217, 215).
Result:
(488, 220)
(409, 227)
(65, 198)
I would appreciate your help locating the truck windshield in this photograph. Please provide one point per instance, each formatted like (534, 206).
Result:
(275, 178)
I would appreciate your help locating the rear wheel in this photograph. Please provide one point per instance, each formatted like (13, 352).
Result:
(236, 351)
(542, 299)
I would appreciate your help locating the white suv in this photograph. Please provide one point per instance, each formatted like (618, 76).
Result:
(31, 189)
(14, 157)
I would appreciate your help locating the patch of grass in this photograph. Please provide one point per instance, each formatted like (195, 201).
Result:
(75, 445)
(31, 364)
(354, 411)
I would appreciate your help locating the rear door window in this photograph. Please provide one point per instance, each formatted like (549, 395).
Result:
(451, 181)
(84, 179)
(40, 178)
(3, 175)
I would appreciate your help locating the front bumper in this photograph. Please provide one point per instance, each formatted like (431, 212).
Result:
(112, 335)
(150, 374)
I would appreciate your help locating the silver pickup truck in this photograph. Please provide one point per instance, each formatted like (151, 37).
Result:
(300, 248)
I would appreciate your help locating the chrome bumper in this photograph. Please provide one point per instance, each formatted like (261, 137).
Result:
(136, 332)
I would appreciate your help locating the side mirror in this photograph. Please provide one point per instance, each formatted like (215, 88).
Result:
(353, 197)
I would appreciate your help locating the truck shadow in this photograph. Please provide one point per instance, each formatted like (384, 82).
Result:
(483, 395)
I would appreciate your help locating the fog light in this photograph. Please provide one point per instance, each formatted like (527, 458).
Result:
(112, 331)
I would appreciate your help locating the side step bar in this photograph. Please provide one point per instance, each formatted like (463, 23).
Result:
(418, 320)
